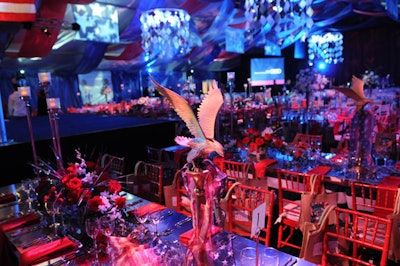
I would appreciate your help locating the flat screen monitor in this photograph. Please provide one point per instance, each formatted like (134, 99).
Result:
(264, 71)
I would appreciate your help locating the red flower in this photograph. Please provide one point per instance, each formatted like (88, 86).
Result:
(73, 184)
(278, 143)
(73, 169)
(246, 140)
(268, 137)
(114, 186)
(298, 154)
(259, 141)
(120, 202)
(253, 147)
(94, 203)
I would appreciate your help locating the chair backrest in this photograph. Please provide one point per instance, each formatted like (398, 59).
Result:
(149, 177)
(182, 197)
(375, 199)
(238, 170)
(308, 140)
(242, 200)
(113, 164)
(155, 155)
(356, 237)
(291, 185)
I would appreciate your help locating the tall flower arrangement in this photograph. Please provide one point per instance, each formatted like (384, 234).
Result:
(370, 78)
(308, 79)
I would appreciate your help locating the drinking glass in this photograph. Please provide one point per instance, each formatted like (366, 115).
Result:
(155, 219)
(107, 225)
(142, 216)
(31, 195)
(53, 208)
(248, 256)
(270, 257)
(92, 230)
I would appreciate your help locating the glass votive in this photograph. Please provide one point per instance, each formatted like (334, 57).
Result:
(25, 91)
(248, 256)
(44, 77)
(53, 103)
(270, 257)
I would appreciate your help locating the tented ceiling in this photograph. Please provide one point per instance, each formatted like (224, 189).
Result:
(24, 45)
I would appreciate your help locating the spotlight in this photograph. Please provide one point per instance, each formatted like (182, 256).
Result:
(46, 31)
(76, 26)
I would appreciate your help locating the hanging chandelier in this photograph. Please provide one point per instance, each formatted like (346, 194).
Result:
(327, 48)
(280, 21)
(165, 33)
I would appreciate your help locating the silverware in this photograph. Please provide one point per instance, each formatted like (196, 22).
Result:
(290, 262)
(25, 230)
(176, 225)
(36, 242)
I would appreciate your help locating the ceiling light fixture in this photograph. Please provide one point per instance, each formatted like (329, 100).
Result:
(280, 21)
(165, 32)
(327, 48)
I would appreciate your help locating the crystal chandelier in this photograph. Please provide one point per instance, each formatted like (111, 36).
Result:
(165, 32)
(327, 48)
(281, 21)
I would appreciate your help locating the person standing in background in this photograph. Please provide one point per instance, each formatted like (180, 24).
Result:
(16, 106)
(41, 102)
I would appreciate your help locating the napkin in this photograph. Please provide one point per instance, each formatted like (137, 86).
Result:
(22, 221)
(219, 161)
(8, 198)
(149, 208)
(390, 181)
(320, 170)
(56, 248)
(261, 167)
(185, 238)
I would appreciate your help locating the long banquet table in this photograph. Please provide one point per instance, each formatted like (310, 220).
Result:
(13, 243)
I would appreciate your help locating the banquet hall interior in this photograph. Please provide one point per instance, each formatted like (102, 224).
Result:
(302, 95)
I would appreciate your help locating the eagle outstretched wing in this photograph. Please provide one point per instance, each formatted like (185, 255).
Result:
(208, 110)
(182, 108)
(356, 92)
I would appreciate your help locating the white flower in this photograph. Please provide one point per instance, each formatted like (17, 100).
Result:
(267, 130)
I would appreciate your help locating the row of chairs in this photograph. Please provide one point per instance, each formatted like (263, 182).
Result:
(367, 213)
(370, 206)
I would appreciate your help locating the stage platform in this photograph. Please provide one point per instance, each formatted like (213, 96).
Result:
(92, 134)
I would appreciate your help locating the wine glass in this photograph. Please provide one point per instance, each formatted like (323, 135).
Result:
(107, 225)
(27, 187)
(142, 215)
(155, 220)
(53, 208)
(92, 230)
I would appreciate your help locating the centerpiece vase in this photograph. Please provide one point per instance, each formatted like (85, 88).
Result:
(360, 145)
(204, 191)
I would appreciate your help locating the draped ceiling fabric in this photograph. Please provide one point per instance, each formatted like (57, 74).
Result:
(209, 19)
(65, 56)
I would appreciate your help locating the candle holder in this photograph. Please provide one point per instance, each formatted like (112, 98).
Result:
(54, 107)
(25, 94)
(231, 85)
